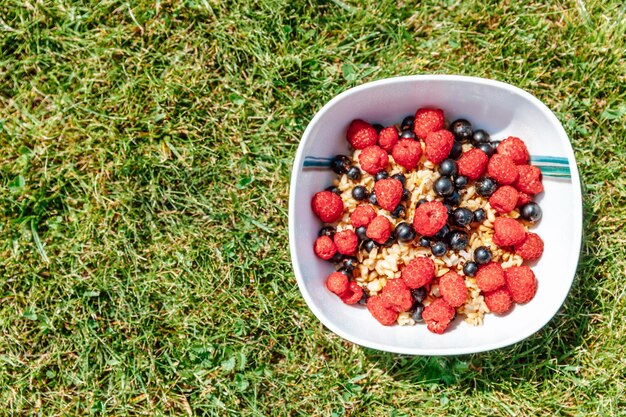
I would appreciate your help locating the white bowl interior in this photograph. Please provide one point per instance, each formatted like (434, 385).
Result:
(500, 109)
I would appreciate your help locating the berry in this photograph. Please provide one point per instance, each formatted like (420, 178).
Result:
(361, 134)
(456, 151)
(354, 173)
(514, 148)
(426, 121)
(334, 189)
(372, 198)
(448, 168)
(448, 208)
(429, 218)
(454, 199)
(361, 233)
(502, 169)
(521, 282)
(486, 186)
(424, 242)
(473, 163)
(388, 193)
(531, 212)
(407, 153)
(337, 283)
(452, 288)
(324, 247)
(353, 295)
(326, 231)
(470, 268)
(523, 199)
(508, 232)
(529, 179)
(396, 295)
(349, 263)
(346, 242)
(438, 145)
(479, 215)
(390, 241)
(490, 277)
(379, 229)
(337, 257)
(405, 232)
(419, 294)
(327, 206)
(373, 159)
(438, 315)
(381, 175)
(405, 194)
(442, 233)
(400, 177)
(482, 255)
(417, 313)
(504, 199)
(359, 193)
(364, 298)
(378, 127)
(530, 248)
(458, 240)
(369, 245)
(399, 211)
(408, 134)
(480, 136)
(444, 186)
(460, 182)
(462, 130)
(340, 164)
(408, 123)
(486, 148)
(462, 216)
(418, 272)
(362, 215)
(439, 249)
(420, 202)
(387, 138)
(499, 301)
(385, 316)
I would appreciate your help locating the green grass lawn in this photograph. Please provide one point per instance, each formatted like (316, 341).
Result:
(145, 155)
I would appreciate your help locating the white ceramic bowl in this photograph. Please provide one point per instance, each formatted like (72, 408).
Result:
(502, 110)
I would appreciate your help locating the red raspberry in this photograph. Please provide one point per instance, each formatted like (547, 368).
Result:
(373, 159)
(327, 206)
(502, 169)
(418, 272)
(499, 301)
(426, 121)
(452, 288)
(521, 282)
(523, 198)
(361, 134)
(514, 148)
(387, 138)
(346, 242)
(353, 294)
(490, 277)
(529, 180)
(438, 315)
(388, 193)
(430, 217)
(324, 247)
(407, 153)
(508, 232)
(530, 248)
(504, 199)
(337, 283)
(384, 315)
(397, 296)
(379, 229)
(362, 215)
(438, 145)
(472, 163)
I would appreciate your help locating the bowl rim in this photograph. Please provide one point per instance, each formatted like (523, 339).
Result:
(577, 213)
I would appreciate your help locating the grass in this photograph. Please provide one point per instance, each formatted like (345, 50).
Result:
(145, 154)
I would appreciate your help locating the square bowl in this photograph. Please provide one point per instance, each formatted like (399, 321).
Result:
(502, 110)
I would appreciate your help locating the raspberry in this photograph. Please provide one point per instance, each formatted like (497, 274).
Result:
(438, 315)
(346, 242)
(508, 232)
(504, 199)
(529, 180)
(353, 294)
(530, 248)
(426, 121)
(327, 206)
(438, 145)
(385, 316)
(523, 198)
(452, 288)
(379, 229)
(407, 153)
(499, 301)
(361, 134)
(514, 148)
(502, 169)
(418, 272)
(430, 217)
(362, 215)
(397, 296)
(472, 163)
(490, 277)
(521, 282)
(387, 138)
(373, 159)
(388, 193)
(337, 283)
(324, 247)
